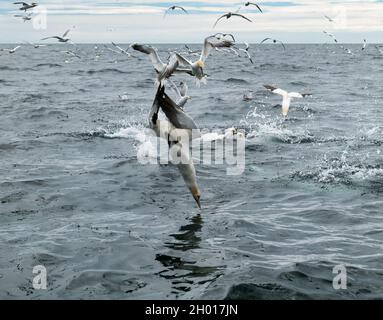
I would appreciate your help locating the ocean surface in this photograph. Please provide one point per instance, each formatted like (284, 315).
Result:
(74, 198)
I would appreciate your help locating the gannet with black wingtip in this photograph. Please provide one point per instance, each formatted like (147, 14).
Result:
(364, 44)
(274, 41)
(182, 93)
(60, 39)
(121, 50)
(26, 6)
(11, 50)
(178, 124)
(215, 41)
(246, 51)
(287, 96)
(229, 15)
(26, 17)
(172, 8)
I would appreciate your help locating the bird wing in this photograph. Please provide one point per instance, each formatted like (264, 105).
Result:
(14, 49)
(264, 40)
(223, 16)
(242, 16)
(295, 95)
(213, 42)
(175, 89)
(54, 37)
(181, 9)
(23, 3)
(65, 33)
(183, 61)
(153, 55)
(177, 117)
(254, 4)
(172, 65)
(275, 90)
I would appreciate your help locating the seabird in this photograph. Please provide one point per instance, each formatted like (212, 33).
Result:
(329, 19)
(178, 123)
(163, 70)
(25, 6)
(253, 4)
(246, 51)
(364, 44)
(71, 53)
(218, 40)
(26, 17)
(60, 39)
(274, 41)
(11, 50)
(172, 8)
(229, 15)
(121, 50)
(182, 93)
(287, 96)
(331, 35)
(36, 46)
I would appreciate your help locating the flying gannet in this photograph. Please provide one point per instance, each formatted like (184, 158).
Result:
(287, 96)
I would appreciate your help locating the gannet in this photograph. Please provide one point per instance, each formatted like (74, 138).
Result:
(182, 94)
(229, 15)
(218, 40)
(60, 39)
(274, 41)
(25, 6)
(287, 96)
(172, 8)
(11, 50)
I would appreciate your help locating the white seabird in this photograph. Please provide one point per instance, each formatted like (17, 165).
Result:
(60, 39)
(218, 40)
(364, 44)
(287, 96)
(182, 93)
(11, 50)
(246, 51)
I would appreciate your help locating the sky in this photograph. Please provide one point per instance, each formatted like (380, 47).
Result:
(122, 21)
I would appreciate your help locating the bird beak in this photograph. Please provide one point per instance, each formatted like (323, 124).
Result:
(197, 199)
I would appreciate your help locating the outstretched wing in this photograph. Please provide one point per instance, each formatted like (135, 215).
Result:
(66, 33)
(223, 16)
(55, 37)
(183, 9)
(242, 16)
(214, 42)
(254, 4)
(275, 90)
(153, 55)
(295, 95)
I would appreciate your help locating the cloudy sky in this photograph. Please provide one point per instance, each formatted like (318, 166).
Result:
(295, 21)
